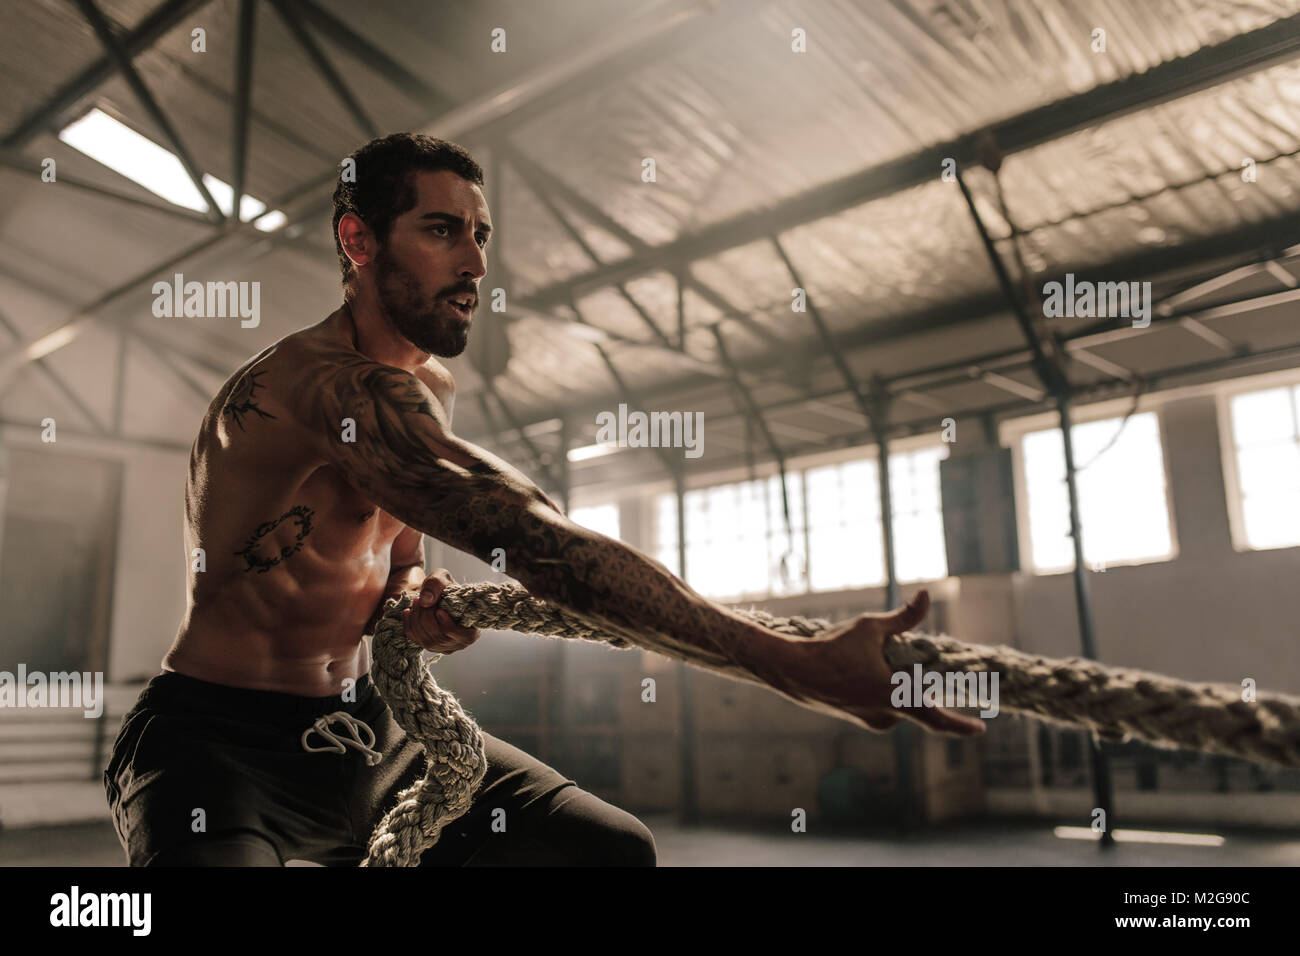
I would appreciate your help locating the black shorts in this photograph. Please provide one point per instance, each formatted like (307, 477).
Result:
(203, 773)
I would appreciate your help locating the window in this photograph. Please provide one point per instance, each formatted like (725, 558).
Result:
(845, 538)
(845, 544)
(603, 519)
(1265, 429)
(738, 547)
(1123, 503)
(919, 550)
(665, 551)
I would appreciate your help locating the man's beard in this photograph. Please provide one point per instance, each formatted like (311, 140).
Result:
(415, 315)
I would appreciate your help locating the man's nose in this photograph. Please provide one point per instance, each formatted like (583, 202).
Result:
(475, 263)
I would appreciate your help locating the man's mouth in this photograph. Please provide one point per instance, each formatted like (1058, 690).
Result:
(463, 305)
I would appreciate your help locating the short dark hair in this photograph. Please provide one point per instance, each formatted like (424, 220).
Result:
(383, 186)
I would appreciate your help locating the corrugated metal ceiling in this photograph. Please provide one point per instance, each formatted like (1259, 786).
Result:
(737, 123)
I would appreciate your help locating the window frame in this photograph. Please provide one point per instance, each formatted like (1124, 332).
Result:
(1011, 433)
(1223, 395)
(649, 493)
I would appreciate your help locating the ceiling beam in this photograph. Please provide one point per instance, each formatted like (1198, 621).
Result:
(163, 444)
(541, 182)
(1083, 394)
(48, 114)
(1210, 66)
(59, 384)
(665, 457)
(374, 57)
(823, 333)
(320, 62)
(99, 23)
(533, 450)
(1046, 361)
(618, 48)
(1250, 243)
(30, 168)
(242, 111)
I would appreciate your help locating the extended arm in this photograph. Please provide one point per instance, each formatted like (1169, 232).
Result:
(405, 458)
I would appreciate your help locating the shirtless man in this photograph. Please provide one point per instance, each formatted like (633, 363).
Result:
(317, 469)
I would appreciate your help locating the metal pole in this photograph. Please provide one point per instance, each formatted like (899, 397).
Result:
(905, 735)
(879, 413)
(887, 521)
(557, 662)
(1101, 782)
(689, 808)
(566, 478)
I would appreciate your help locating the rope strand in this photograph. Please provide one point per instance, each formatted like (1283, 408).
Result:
(1114, 703)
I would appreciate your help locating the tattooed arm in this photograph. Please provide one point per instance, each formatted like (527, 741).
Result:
(406, 459)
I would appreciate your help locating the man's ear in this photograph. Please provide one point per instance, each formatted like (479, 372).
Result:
(357, 240)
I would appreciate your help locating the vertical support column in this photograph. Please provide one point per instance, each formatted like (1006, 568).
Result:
(4, 490)
(99, 647)
(681, 311)
(906, 735)
(689, 808)
(880, 401)
(887, 520)
(243, 103)
(1102, 789)
(566, 488)
(557, 657)
(119, 384)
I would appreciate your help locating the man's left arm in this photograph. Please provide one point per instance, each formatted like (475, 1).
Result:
(432, 629)
(406, 570)
(406, 566)
(429, 626)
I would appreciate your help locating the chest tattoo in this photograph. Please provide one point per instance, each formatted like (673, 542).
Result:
(300, 516)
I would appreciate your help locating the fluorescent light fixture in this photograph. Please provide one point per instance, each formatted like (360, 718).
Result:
(271, 221)
(592, 451)
(587, 333)
(136, 157)
(1141, 836)
(249, 207)
(53, 341)
(158, 170)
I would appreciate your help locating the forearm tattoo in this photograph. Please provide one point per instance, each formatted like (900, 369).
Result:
(405, 458)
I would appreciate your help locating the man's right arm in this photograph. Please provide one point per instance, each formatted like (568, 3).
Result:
(404, 457)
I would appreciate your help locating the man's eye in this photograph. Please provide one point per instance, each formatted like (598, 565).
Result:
(482, 241)
(440, 226)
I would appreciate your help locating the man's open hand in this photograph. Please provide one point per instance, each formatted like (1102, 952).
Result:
(842, 672)
(430, 626)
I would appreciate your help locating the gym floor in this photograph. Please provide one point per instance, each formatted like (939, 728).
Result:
(965, 844)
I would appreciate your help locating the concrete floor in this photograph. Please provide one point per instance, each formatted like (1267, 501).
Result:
(966, 844)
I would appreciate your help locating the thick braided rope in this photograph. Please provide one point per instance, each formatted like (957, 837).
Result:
(453, 746)
(1115, 703)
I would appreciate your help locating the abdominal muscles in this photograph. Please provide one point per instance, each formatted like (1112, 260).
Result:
(287, 565)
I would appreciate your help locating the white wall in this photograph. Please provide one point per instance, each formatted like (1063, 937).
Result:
(149, 593)
(1212, 613)
(148, 596)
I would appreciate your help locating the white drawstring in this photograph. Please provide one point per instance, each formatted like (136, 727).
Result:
(340, 744)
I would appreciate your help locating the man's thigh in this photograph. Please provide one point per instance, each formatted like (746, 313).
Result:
(516, 789)
(527, 813)
(182, 788)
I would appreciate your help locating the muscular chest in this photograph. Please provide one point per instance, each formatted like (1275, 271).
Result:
(347, 518)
